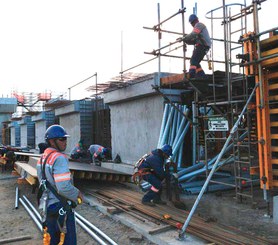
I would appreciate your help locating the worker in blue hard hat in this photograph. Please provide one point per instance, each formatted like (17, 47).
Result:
(199, 37)
(98, 153)
(152, 169)
(57, 196)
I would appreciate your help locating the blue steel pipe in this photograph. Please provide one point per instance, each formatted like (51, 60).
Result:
(163, 123)
(174, 127)
(167, 127)
(180, 155)
(203, 170)
(181, 128)
(190, 169)
(180, 139)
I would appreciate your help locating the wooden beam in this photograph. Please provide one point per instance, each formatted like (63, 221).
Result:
(164, 81)
(269, 42)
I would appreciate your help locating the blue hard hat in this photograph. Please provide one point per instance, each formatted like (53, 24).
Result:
(167, 149)
(55, 131)
(104, 151)
(192, 18)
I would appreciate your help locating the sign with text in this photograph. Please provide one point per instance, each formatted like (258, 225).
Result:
(218, 124)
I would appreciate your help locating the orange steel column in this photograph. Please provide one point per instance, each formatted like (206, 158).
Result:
(263, 139)
(266, 136)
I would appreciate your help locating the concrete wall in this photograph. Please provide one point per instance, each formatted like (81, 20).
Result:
(40, 128)
(71, 123)
(3, 118)
(23, 135)
(13, 136)
(135, 127)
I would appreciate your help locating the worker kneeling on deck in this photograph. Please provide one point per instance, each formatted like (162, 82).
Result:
(57, 196)
(154, 173)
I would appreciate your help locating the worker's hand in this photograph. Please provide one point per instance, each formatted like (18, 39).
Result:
(80, 198)
(180, 39)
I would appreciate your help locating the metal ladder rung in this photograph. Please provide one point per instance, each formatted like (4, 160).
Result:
(243, 178)
(241, 29)
(236, 47)
(243, 162)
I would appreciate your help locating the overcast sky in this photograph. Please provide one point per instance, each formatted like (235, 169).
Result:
(51, 45)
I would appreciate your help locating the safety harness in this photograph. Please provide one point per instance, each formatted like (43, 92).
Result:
(139, 173)
(45, 185)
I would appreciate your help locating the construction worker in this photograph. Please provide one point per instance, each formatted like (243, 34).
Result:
(78, 151)
(153, 172)
(57, 195)
(200, 38)
(98, 153)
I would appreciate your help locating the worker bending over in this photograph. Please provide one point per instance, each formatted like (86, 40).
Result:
(200, 38)
(78, 151)
(57, 195)
(98, 153)
(153, 172)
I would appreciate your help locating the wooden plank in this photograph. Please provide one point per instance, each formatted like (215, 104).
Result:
(270, 52)
(274, 124)
(274, 97)
(160, 229)
(272, 75)
(275, 183)
(171, 79)
(274, 161)
(273, 86)
(274, 148)
(275, 172)
(274, 136)
(266, 43)
(270, 62)
(273, 111)
(26, 167)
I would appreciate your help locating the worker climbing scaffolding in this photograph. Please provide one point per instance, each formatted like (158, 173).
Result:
(200, 38)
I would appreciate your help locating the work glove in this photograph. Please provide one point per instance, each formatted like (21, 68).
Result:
(180, 39)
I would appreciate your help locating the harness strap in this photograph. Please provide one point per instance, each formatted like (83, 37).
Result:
(138, 176)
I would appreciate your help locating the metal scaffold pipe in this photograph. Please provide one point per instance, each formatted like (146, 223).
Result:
(95, 228)
(37, 222)
(32, 207)
(16, 198)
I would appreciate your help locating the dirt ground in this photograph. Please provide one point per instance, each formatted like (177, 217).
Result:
(17, 222)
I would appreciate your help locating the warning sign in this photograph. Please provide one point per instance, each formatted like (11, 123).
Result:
(218, 124)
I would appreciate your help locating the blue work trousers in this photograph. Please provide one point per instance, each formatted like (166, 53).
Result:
(199, 53)
(156, 183)
(52, 220)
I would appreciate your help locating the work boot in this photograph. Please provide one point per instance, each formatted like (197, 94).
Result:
(159, 201)
(148, 203)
